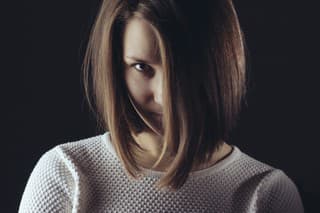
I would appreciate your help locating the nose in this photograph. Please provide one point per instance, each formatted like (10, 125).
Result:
(157, 88)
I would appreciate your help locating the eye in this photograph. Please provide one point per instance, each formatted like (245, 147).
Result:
(141, 67)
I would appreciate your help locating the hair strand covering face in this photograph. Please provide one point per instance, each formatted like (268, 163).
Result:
(203, 53)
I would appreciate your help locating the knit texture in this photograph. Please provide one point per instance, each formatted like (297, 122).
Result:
(87, 176)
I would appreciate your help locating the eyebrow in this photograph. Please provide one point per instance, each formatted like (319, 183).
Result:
(146, 61)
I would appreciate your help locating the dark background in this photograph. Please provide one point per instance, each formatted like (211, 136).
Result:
(44, 103)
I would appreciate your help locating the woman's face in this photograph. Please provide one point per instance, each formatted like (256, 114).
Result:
(143, 69)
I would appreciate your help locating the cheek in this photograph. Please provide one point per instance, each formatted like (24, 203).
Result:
(138, 88)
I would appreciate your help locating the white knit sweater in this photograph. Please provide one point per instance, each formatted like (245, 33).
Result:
(86, 176)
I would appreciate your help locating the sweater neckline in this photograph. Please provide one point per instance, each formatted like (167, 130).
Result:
(230, 158)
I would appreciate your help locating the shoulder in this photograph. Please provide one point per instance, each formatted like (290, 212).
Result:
(49, 186)
(271, 190)
(274, 191)
(278, 193)
(58, 181)
(245, 166)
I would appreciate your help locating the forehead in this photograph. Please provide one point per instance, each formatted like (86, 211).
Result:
(140, 40)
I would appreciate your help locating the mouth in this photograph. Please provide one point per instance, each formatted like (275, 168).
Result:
(156, 116)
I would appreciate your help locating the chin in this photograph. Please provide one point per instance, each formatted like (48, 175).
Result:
(156, 121)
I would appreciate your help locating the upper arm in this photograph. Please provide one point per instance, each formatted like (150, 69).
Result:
(49, 187)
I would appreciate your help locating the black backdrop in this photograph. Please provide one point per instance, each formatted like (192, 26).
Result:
(44, 104)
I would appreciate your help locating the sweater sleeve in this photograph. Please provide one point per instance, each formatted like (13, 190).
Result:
(49, 187)
(279, 194)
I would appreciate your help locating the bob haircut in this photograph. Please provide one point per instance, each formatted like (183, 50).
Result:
(202, 50)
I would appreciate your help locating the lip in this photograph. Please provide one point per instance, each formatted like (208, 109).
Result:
(156, 114)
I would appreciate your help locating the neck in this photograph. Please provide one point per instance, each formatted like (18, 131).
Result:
(152, 143)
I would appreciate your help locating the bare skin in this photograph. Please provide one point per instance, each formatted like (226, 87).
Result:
(143, 76)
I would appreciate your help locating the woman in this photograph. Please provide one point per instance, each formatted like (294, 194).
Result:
(167, 78)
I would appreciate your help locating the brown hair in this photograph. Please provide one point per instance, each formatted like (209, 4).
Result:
(202, 50)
